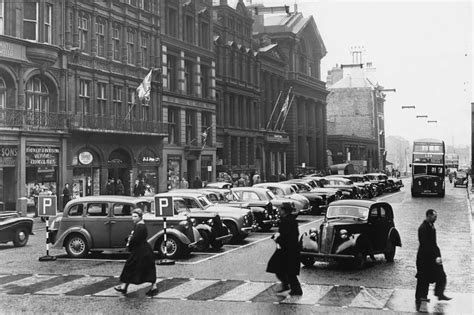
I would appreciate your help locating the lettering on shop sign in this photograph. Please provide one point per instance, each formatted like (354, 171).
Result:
(8, 154)
(10, 50)
(41, 156)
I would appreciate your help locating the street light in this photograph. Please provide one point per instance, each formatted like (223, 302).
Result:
(421, 116)
(411, 106)
(432, 121)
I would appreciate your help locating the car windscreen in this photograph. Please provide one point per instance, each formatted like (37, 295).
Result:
(347, 211)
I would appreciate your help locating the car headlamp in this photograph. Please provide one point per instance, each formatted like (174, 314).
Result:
(210, 222)
(343, 233)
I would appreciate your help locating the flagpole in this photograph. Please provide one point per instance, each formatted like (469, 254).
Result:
(283, 109)
(273, 111)
(286, 112)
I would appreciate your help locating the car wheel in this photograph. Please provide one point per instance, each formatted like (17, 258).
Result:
(203, 245)
(308, 261)
(233, 230)
(21, 237)
(390, 252)
(360, 260)
(173, 247)
(76, 246)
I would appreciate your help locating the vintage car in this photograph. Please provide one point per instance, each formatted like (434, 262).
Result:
(368, 189)
(239, 221)
(380, 179)
(394, 183)
(316, 185)
(280, 190)
(349, 190)
(460, 179)
(209, 224)
(220, 185)
(14, 228)
(352, 230)
(98, 223)
(316, 201)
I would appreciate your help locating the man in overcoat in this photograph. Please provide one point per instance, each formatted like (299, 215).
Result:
(285, 262)
(429, 265)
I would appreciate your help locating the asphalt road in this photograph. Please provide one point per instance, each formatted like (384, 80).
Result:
(234, 279)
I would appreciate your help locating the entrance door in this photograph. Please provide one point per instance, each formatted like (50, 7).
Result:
(119, 165)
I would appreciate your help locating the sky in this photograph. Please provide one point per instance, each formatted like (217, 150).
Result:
(423, 49)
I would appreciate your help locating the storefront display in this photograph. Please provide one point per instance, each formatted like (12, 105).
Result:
(206, 168)
(42, 169)
(8, 156)
(148, 164)
(174, 171)
(85, 175)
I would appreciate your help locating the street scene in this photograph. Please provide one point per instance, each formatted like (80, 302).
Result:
(236, 156)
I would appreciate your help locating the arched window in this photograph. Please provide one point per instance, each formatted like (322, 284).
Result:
(3, 94)
(37, 95)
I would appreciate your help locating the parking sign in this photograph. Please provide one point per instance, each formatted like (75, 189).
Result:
(163, 206)
(47, 206)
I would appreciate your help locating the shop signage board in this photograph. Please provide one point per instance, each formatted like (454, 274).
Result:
(86, 158)
(47, 206)
(42, 156)
(8, 154)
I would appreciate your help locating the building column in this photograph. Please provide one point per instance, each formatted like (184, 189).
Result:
(21, 204)
(181, 69)
(164, 67)
(197, 77)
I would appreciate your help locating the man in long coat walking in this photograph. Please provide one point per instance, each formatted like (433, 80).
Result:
(429, 265)
(285, 262)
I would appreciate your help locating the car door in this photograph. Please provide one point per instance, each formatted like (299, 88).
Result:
(121, 224)
(97, 223)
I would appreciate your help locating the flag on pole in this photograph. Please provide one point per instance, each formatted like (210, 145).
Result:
(144, 88)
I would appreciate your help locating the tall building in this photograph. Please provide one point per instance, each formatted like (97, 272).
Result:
(189, 91)
(68, 107)
(301, 46)
(356, 132)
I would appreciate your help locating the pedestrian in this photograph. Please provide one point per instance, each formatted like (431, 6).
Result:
(35, 193)
(66, 195)
(110, 187)
(119, 188)
(429, 265)
(136, 188)
(197, 182)
(184, 183)
(140, 265)
(285, 262)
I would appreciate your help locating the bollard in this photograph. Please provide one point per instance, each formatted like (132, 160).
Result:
(165, 261)
(47, 257)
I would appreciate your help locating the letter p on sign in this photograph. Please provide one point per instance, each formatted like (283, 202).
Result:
(164, 206)
(47, 206)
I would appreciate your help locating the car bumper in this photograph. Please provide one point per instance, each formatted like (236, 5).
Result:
(224, 238)
(304, 211)
(271, 221)
(326, 256)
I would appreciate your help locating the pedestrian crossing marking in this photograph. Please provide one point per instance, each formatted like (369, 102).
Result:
(72, 285)
(25, 282)
(244, 292)
(186, 289)
(372, 298)
(341, 295)
(311, 294)
(132, 288)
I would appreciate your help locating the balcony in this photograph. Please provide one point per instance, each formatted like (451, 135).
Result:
(30, 120)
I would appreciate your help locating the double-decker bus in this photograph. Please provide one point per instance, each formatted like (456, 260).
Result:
(428, 167)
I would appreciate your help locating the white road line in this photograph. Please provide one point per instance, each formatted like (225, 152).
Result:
(71, 285)
(26, 282)
(132, 288)
(186, 289)
(237, 248)
(372, 298)
(311, 294)
(245, 291)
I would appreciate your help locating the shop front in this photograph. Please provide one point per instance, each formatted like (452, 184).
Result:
(120, 171)
(174, 171)
(206, 168)
(8, 162)
(147, 171)
(86, 174)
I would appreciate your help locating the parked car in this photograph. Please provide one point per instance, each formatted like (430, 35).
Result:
(460, 179)
(394, 183)
(239, 221)
(351, 230)
(220, 185)
(331, 194)
(98, 223)
(316, 201)
(380, 179)
(209, 224)
(349, 190)
(14, 228)
(367, 189)
(280, 190)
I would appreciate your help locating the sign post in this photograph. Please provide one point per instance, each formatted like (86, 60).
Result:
(47, 207)
(163, 209)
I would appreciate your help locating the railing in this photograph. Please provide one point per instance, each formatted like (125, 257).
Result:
(25, 119)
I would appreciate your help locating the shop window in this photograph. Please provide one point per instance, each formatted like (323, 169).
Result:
(130, 47)
(2, 17)
(97, 210)
(101, 99)
(122, 210)
(76, 210)
(172, 73)
(190, 129)
(30, 20)
(83, 29)
(48, 14)
(174, 171)
(116, 43)
(144, 50)
(188, 77)
(84, 96)
(173, 135)
(100, 37)
(117, 101)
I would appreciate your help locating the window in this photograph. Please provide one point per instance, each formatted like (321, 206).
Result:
(97, 210)
(173, 125)
(145, 111)
(188, 29)
(132, 2)
(131, 103)
(48, 14)
(30, 20)
(145, 5)
(101, 99)
(172, 73)
(76, 211)
(130, 46)
(37, 96)
(83, 29)
(205, 80)
(249, 195)
(190, 118)
(117, 101)
(172, 21)
(206, 125)
(121, 210)
(100, 33)
(116, 43)
(84, 97)
(3, 94)
(204, 36)
(144, 50)
(188, 77)
(2, 17)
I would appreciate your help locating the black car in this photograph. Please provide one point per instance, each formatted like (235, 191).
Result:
(460, 179)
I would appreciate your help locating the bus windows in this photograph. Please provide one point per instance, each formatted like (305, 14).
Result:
(419, 169)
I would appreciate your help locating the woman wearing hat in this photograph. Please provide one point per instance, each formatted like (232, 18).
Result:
(140, 265)
(285, 262)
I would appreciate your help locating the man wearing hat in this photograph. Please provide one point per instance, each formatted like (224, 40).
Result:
(285, 262)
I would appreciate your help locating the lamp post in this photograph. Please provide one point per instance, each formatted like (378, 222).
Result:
(378, 114)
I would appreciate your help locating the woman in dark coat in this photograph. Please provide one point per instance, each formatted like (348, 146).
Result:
(285, 262)
(140, 265)
(66, 195)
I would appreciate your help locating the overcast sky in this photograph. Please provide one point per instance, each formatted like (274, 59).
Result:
(423, 49)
